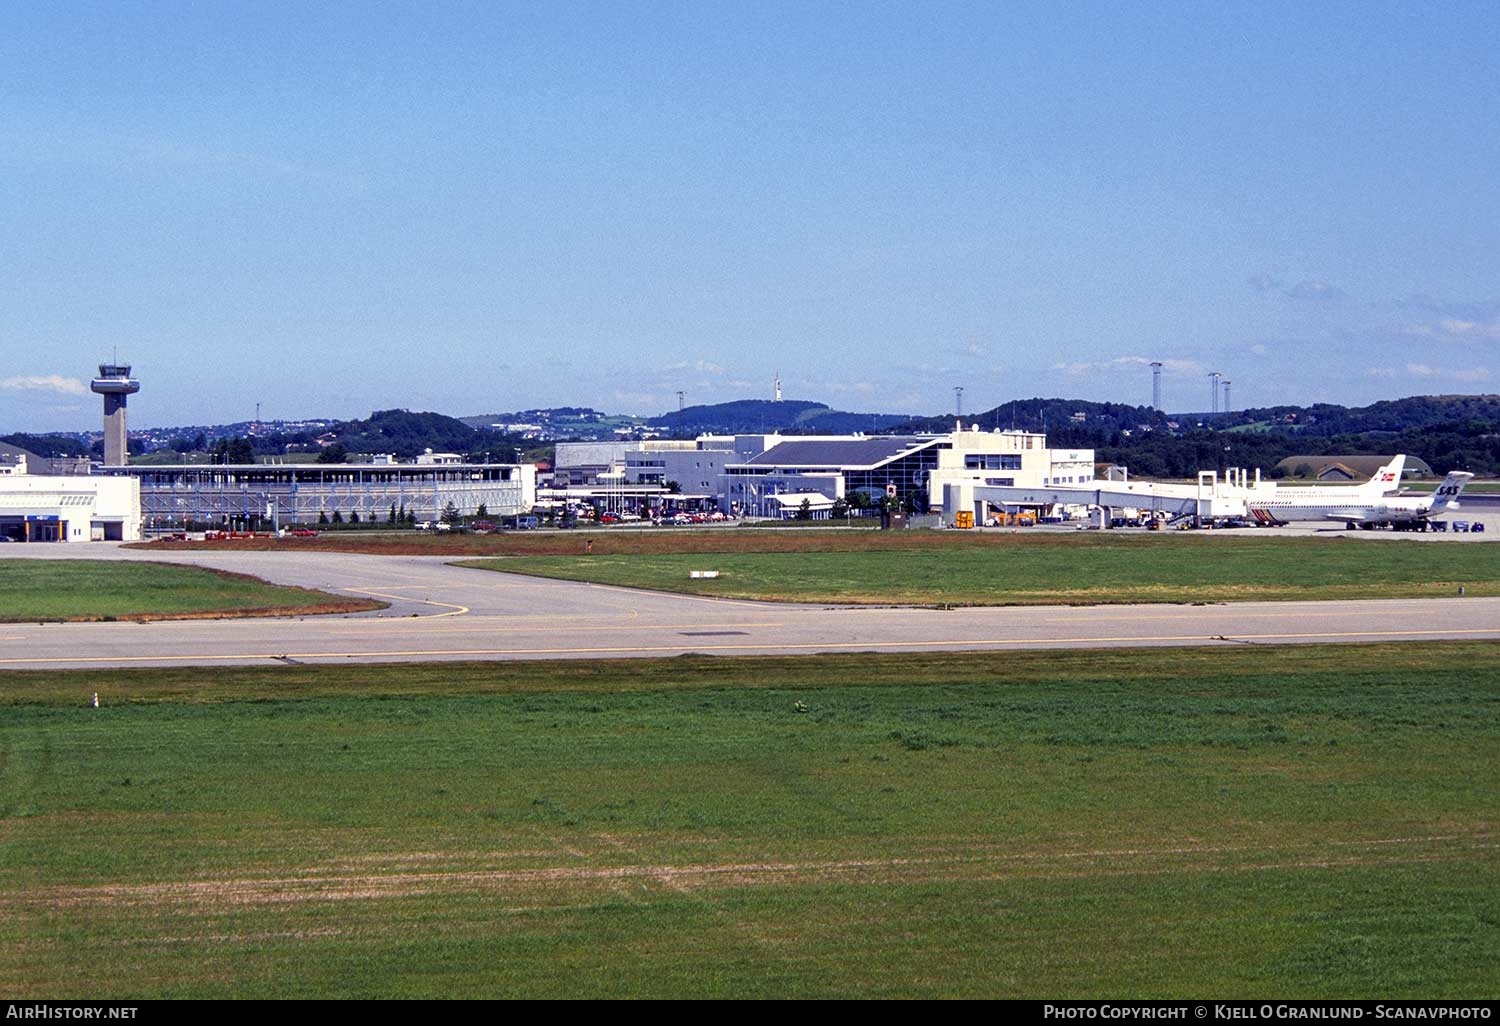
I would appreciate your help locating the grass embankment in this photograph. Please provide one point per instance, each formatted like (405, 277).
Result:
(1294, 822)
(71, 590)
(1038, 569)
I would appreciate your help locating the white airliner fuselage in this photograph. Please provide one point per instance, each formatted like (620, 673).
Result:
(1360, 506)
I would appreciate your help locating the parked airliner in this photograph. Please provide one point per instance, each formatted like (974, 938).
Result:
(1363, 508)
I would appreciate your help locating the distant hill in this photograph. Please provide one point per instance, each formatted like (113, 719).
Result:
(48, 446)
(1458, 432)
(757, 416)
(545, 415)
(1326, 419)
(407, 434)
(1056, 417)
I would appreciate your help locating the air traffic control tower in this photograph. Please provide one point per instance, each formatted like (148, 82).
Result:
(114, 383)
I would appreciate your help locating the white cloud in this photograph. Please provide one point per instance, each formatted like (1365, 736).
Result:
(1121, 362)
(1472, 375)
(1455, 329)
(1474, 310)
(1460, 329)
(1380, 372)
(1259, 350)
(640, 400)
(852, 387)
(701, 366)
(53, 383)
(1318, 291)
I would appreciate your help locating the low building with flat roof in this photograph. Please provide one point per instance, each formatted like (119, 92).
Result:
(179, 496)
(72, 508)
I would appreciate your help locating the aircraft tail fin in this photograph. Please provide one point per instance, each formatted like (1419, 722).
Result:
(1445, 496)
(1388, 478)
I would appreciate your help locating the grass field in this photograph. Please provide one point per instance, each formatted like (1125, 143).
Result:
(34, 590)
(957, 567)
(1039, 569)
(1292, 822)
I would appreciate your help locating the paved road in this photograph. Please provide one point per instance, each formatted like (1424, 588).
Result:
(439, 612)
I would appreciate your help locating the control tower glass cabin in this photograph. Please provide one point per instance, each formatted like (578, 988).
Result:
(114, 383)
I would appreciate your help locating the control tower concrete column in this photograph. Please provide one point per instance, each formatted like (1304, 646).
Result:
(115, 383)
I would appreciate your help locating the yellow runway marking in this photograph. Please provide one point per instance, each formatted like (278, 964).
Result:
(1164, 616)
(477, 624)
(960, 645)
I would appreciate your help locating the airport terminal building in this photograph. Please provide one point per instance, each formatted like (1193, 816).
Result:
(276, 495)
(761, 475)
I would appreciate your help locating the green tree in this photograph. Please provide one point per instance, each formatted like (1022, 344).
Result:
(338, 518)
(232, 450)
(482, 512)
(840, 510)
(804, 510)
(450, 514)
(323, 517)
(354, 517)
(390, 517)
(335, 453)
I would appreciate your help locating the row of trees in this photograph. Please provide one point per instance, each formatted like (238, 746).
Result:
(398, 516)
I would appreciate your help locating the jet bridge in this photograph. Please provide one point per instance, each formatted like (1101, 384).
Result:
(1210, 498)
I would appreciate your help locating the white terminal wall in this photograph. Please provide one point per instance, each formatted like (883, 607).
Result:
(91, 507)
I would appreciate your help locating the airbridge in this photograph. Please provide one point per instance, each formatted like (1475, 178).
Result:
(1212, 497)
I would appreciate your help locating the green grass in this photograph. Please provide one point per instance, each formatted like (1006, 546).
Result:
(1310, 822)
(46, 589)
(1048, 568)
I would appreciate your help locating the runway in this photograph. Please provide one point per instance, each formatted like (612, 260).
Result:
(441, 612)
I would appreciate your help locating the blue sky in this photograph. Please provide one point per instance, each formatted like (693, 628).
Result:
(333, 208)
